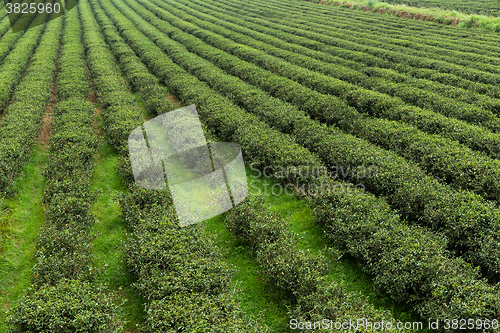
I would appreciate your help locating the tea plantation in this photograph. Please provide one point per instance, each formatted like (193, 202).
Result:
(401, 233)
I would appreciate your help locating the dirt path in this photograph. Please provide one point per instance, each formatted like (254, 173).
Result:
(44, 136)
(174, 101)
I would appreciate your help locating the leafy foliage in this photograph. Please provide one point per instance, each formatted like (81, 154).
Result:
(70, 306)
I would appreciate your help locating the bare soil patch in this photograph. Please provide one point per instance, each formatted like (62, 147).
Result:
(92, 97)
(44, 136)
(98, 111)
(96, 126)
(403, 14)
(174, 100)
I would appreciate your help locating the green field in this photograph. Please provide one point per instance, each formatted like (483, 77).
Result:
(403, 229)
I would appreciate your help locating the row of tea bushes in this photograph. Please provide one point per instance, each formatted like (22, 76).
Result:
(408, 263)
(180, 273)
(366, 59)
(363, 100)
(21, 125)
(433, 153)
(330, 291)
(73, 77)
(64, 296)
(122, 114)
(377, 56)
(16, 50)
(416, 35)
(388, 42)
(8, 39)
(410, 94)
(154, 96)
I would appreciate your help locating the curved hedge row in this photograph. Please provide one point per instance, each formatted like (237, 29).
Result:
(365, 101)
(448, 77)
(416, 35)
(489, 8)
(382, 41)
(425, 99)
(371, 77)
(417, 196)
(468, 93)
(393, 59)
(242, 123)
(230, 123)
(296, 271)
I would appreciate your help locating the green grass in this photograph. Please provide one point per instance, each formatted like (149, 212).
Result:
(258, 297)
(111, 234)
(21, 217)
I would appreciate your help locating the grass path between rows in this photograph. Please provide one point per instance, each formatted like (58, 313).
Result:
(21, 217)
(111, 233)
